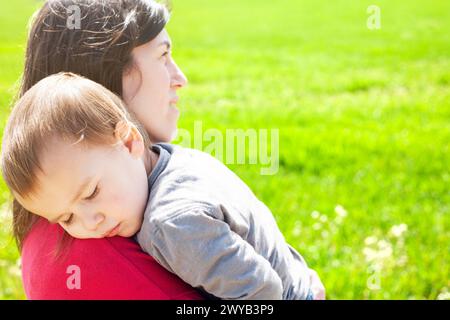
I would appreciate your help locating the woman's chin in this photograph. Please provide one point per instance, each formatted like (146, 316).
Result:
(171, 133)
(175, 112)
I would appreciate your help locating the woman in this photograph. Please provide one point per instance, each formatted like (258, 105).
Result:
(121, 44)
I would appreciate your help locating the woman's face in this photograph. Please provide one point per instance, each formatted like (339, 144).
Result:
(150, 88)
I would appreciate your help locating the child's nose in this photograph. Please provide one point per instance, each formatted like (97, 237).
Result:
(92, 221)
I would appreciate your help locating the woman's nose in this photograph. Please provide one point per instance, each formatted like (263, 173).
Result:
(178, 79)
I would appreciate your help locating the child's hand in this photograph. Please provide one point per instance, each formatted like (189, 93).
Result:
(317, 286)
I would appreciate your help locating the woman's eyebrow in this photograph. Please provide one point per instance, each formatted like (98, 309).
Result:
(166, 43)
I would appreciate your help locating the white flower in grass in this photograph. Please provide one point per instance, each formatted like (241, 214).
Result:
(5, 215)
(370, 240)
(317, 226)
(340, 211)
(14, 270)
(297, 229)
(444, 295)
(315, 214)
(383, 244)
(370, 254)
(339, 220)
(397, 231)
(379, 253)
(384, 250)
(385, 253)
(323, 218)
(402, 261)
(335, 263)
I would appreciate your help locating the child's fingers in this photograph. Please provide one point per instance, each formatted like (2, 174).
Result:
(317, 286)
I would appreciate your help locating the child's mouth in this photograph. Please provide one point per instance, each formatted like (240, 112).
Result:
(113, 232)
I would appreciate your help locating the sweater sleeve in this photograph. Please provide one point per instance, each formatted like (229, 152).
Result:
(110, 268)
(206, 253)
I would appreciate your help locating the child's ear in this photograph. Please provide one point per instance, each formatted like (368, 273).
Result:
(129, 135)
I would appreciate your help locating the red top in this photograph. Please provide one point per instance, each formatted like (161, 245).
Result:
(109, 268)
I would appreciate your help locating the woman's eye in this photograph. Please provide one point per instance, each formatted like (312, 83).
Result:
(93, 194)
(68, 221)
(165, 54)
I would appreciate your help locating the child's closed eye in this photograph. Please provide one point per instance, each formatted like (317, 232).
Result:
(93, 194)
(69, 220)
(90, 197)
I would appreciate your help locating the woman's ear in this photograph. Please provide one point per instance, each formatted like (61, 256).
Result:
(127, 134)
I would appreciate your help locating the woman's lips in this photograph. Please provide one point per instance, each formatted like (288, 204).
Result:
(174, 100)
(113, 232)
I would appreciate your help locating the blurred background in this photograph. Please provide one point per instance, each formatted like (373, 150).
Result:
(363, 113)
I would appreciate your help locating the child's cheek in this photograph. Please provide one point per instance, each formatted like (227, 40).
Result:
(116, 199)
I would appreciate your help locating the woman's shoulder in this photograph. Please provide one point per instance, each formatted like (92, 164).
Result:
(109, 268)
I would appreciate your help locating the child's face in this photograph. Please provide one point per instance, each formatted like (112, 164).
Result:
(92, 192)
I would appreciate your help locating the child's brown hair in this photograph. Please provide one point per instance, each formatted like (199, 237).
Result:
(63, 105)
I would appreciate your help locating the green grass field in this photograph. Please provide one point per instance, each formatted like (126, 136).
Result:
(363, 115)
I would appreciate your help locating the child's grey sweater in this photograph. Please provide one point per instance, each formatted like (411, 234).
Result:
(205, 225)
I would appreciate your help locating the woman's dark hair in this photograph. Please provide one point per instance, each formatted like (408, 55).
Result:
(97, 46)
